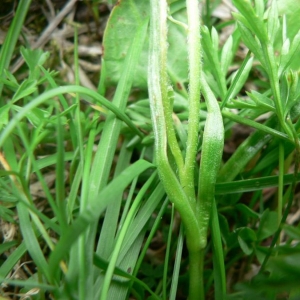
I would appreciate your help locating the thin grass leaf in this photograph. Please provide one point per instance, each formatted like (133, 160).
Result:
(176, 271)
(12, 36)
(31, 242)
(107, 236)
(258, 126)
(121, 236)
(6, 246)
(60, 178)
(288, 53)
(28, 284)
(218, 256)
(50, 160)
(273, 21)
(239, 79)
(150, 235)
(8, 265)
(226, 55)
(62, 90)
(93, 211)
(249, 185)
(167, 255)
(246, 151)
(103, 265)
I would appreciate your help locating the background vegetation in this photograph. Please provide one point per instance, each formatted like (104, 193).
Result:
(84, 210)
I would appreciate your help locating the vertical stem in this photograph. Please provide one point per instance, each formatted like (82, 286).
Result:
(196, 288)
(280, 184)
(158, 87)
(165, 87)
(194, 56)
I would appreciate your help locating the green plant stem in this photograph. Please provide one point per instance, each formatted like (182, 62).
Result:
(194, 56)
(291, 196)
(272, 70)
(280, 182)
(196, 261)
(165, 88)
(168, 178)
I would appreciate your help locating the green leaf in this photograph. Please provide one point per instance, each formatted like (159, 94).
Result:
(256, 23)
(246, 237)
(247, 211)
(273, 22)
(4, 115)
(268, 225)
(12, 36)
(239, 78)
(35, 116)
(242, 186)
(262, 101)
(291, 9)
(292, 231)
(34, 58)
(251, 42)
(103, 265)
(227, 55)
(289, 53)
(6, 246)
(259, 8)
(123, 22)
(94, 210)
(6, 214)
(26, 88)
(211, 57)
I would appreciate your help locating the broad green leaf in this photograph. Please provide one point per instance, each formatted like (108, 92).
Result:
(259, 8)
(291, 231)
(124, 20)
(268, 225)
(246, 237)
(291, 9)
(247, 211)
